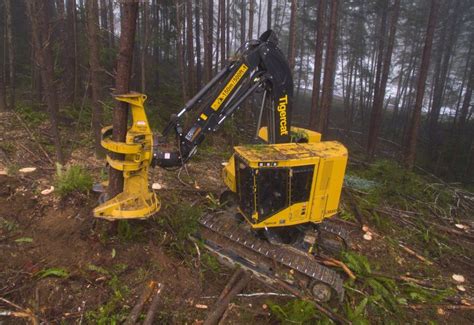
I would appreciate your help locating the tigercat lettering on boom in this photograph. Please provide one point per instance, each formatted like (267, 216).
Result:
(282, 106)
(229, 87)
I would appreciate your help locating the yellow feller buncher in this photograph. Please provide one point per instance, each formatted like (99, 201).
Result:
(282, 191)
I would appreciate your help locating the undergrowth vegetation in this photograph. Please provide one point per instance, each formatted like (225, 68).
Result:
(72, 179)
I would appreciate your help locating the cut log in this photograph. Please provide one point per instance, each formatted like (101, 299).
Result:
(150, 316)
(221, 305)
(145, 295)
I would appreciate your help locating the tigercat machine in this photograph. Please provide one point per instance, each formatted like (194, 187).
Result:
(284, 189)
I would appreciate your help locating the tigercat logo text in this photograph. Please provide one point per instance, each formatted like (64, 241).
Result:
(229, 87)
(282, 106)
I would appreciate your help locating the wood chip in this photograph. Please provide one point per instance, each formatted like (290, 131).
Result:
(367, 236)
(48, 190)
(199, 306)
(27, 170)
(461, 288)
(156, 186)
(458, 278)
(440, 311)
(3, 172)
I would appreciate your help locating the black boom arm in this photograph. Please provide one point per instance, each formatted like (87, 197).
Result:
(258, 64)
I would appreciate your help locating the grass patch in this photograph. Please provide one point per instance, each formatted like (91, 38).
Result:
(74, 179)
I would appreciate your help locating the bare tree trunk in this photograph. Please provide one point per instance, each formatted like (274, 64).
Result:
(318, 59)
(439, 86)
(251, 14)
(103, 15)
(3, 101)
(207, 30)
(410, 149)
(190, 47)
(463, 117)
(259, 24)
(180, 50)
(269, 14)
(243, 20)
(72, 62)
(11, 53)
(94, 64)
(329, 68)
(197, 27)
(376, 116)
(111, 23)
(144, 51)
(41, 31)
(292, 40)
(128, 27)
(222, 26)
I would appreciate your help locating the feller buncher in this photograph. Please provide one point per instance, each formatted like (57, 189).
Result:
(285, 189)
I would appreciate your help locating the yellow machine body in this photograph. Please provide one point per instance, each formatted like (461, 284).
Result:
(136, 201)
(287, 184)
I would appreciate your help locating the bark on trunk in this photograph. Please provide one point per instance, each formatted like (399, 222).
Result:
(94, 64)
(72, 64)
(269, 14)
(41, 31)
(144, 51)
(329, 68)
(376, 116)
(190, 47)
(197, 28)
(410, 149)
(251, 14)
(222, 25)
(180, 50)
(11, 53)
(292, 39)
(208, 30)
(122, 85)
(318, 58)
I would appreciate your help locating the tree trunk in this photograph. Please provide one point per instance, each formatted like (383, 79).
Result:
(41, 31)
(190, 47)
(222, 26)
(318, 59)
(269, 14)
(207, 30)
(251, 14)
(144, 51)
(180, 50)
(122, 85)
(11, 53)
(410, 149)
(329, 68)
(197, 26)
(103, 14)
(292, 39)
(72, 62)
(243, 20)
(3, 101)
(94, 64)
(463, 117)
(376, 116)
(439, 86)
(259, 22)
(111, 24)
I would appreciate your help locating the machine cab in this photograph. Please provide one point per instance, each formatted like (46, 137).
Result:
(289, 184)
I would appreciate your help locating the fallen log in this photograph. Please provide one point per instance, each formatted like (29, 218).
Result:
(150, 315)
(221, 305)
(144, 296)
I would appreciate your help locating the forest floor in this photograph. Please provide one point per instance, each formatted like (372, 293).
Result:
(61, 265)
